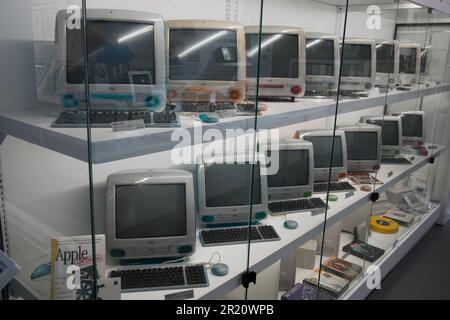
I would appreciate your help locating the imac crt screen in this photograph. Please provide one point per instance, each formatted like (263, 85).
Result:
(357, 60)
(293, 169)
(150, 210)
(408, 60)
(319, 57)
(228, 185)
(322, 151)
(279, 56)
(119, 53)
(203, 54)
(385, 58)
(362, 146)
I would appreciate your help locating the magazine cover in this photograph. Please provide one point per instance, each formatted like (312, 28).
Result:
(342, 268)
(68, 255)
(328, 282)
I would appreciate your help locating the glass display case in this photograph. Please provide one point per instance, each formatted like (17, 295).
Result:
(244, 149)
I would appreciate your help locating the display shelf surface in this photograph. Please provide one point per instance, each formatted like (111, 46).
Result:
(262, 255)
(35, 125)
(388, 242)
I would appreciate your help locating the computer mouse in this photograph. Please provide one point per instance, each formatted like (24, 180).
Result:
(290, 224)
(333, 198)
(208, 118)
(219, 269)
(41, 271)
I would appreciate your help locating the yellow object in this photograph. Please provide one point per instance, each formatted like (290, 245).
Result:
(383, 225)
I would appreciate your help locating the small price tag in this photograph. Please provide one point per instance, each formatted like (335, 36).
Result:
(349, 194)
(182, 295)
(128, 125)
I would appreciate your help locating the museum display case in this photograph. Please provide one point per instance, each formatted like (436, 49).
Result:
(219, 149)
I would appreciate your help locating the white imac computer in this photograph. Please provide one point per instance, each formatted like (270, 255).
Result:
(358, 65)
(322, 64)
(322, 145)
(391, 133)
(206, 61)
(409, 64)
(224, 191)
(125, 54)
(413, 127)
(282, 65)
(150, 214)
(295, 175)
(388, 55)
(363, 147)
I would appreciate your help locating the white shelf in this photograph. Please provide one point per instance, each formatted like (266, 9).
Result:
(263, 255)
(34, 125)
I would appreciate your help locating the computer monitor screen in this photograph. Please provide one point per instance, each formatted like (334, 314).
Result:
(150, 210)
(408, 60)
(357, 60)
(361, 146)
(319, 57)
(229, 185)
(390, 134)
(423, 60)
(116, 49)
(412, 125)
(279, 55)
(203, 54)
(293, 169)
(385, 58)
(322, 151)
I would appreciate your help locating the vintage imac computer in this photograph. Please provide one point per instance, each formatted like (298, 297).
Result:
(322, 145)
(358, 66)
(413, 127)
(206, 61)
(363, 147)
(425, 55)
(224, 191)
(409, 64)
(282, 65)
(322, 64)
(388, 54)
(126, 51)
(295, 175)
(391, 133)
(150, 214)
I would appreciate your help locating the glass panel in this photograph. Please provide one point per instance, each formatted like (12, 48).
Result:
(46, 219)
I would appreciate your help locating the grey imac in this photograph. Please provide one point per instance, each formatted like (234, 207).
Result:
(358, 65)
(388, 55)
(322, 63)
(391, 133)
(363, 147)
(150, 214)
(282, 66)
(224, 191)
(322, 143)
(126, 52)
(295, 175)
(8, 270)
(205, 61)
(413, 127)
(409, 64)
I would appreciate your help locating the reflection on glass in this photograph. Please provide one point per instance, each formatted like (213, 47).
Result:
(202, 54)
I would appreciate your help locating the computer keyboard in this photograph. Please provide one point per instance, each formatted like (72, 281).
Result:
(236, 235)
(246, 108)
(160, 277)
(206, 106)
(394, 160)
(104, 118)
(309, 204)
(322, 187)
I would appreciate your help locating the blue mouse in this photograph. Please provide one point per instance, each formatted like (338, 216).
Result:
(41, 271)
(219, 269)
(208, 118)
(290, 224)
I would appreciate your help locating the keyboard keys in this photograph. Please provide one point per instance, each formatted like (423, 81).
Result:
(162, 277)
(309, 204)
(236, 235)
(394, 160)
(333, 187)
